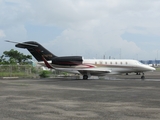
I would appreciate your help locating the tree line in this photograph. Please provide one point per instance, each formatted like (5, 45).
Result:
(14, 57)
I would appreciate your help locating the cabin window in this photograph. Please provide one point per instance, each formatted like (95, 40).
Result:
(126, 63)
(111, 63)
(116, 63)
(96, 63)
(105, 62)
(101, 62)
(121, 63)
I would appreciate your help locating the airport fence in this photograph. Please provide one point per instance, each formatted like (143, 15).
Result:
(28, 71)
(19, 71)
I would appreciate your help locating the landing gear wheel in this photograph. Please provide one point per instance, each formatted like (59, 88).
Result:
(85, 77)
(142, 77)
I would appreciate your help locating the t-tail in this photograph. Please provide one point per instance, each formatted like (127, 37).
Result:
(37, 50)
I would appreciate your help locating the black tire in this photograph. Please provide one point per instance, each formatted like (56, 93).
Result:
(85, 77)
(142, 77)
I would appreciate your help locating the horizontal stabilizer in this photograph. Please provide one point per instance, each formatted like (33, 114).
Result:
(21, 45)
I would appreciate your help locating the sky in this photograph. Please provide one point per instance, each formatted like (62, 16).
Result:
(120, 29)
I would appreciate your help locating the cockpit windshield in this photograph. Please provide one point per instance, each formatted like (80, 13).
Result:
(139, 63)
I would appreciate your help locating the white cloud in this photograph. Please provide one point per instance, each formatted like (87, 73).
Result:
(100, 33)
(14, 12)
(90, 27)
(2, 34)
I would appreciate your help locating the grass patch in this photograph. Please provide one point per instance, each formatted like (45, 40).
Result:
(158, 69)
(18, 74)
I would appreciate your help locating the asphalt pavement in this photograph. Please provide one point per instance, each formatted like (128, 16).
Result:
(76, 99)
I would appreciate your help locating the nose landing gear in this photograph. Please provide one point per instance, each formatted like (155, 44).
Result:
(142, 77)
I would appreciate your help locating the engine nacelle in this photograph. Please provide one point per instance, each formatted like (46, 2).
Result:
(67, 60)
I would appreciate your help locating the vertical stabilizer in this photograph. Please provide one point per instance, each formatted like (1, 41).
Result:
(37, 50)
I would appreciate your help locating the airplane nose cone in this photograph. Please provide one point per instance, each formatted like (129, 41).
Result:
(149, 68)
(153, 69)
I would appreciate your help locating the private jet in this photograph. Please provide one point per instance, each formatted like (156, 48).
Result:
(85, 67)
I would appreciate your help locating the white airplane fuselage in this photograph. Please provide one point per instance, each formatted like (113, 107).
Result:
(102, 67)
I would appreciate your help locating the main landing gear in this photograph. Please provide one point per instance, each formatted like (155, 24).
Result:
(85, 77)
(138, 73)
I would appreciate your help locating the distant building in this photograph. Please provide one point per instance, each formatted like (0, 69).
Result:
(151, 62)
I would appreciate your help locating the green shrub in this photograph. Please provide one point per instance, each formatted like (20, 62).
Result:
(45, 73)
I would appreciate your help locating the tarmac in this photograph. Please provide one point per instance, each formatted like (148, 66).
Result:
(127, 98)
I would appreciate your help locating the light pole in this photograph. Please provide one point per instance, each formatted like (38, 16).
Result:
(157, 54)
(120, 53)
